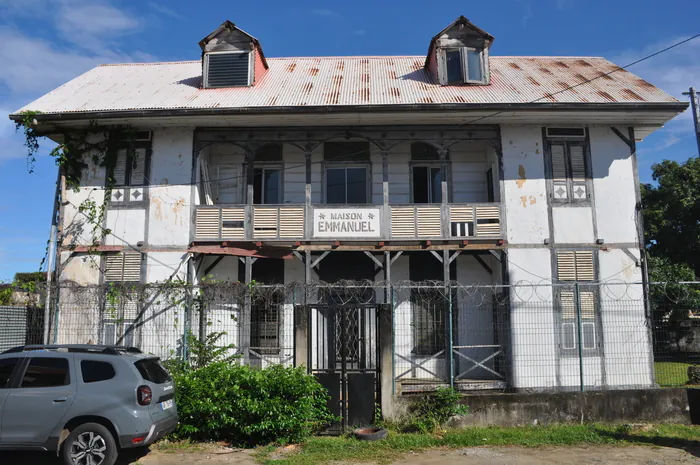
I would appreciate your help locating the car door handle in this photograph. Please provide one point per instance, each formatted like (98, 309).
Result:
(60, 399)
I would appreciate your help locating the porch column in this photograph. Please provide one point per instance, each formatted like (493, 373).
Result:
(449, 342)
(245, 327)
(308, 223)
(301, 319)
(386, 215)
(444, 211)
(250, 192)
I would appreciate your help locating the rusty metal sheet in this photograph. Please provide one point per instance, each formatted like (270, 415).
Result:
(347, 81)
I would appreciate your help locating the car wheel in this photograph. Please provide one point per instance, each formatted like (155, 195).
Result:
(89, 444)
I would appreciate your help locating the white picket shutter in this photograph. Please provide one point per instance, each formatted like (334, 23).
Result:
(123, 267)
(119, 173)
(578, 163)
(575, 265)
(138, 168)
(559, 163)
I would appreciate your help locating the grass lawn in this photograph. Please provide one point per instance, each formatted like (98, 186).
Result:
(321, 450)
(671, 373)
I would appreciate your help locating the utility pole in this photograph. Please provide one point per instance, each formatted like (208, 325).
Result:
(694, 107)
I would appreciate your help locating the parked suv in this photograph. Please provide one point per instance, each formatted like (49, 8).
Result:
(83, 401)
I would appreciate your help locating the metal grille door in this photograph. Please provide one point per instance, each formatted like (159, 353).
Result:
(343, 343)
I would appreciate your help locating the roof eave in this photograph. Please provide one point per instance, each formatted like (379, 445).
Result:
(677, 107)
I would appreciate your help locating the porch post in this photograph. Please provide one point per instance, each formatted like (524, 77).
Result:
(250, 192)
(301, 319)
(246, 313)
(386, 221)
(386, 345)
(308, 223)
(448, 315)
(444, 212)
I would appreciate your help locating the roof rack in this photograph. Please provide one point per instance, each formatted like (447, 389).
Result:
(85, 348)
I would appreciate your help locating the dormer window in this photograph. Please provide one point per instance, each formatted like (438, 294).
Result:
(459, 54)
(228, 69)
(231, 58)
(464, 65)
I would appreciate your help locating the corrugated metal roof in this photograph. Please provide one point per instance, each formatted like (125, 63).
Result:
(346, 81)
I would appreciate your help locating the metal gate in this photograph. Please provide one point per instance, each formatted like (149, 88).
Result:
(344, 357)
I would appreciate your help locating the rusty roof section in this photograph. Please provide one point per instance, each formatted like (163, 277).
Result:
(362, 82)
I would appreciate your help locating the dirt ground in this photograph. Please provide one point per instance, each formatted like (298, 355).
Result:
(594, 455)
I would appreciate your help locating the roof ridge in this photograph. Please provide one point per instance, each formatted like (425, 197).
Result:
(496, 57)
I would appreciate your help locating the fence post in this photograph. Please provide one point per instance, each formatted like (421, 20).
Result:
(203, 306)
(449, 337)
(577, 300)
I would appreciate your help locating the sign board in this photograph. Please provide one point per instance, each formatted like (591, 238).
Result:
(337, 223)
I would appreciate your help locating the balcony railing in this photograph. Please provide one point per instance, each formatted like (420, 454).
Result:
(347, 223)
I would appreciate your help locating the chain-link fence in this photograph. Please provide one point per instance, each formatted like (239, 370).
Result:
(524, 337)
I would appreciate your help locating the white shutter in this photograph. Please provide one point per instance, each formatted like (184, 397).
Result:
(584, 265)
(123, 267)
(566, 266)
(138, 168)
(578, 164)
(226, 183)
(568, 305)
(587, 305)
(558, 163)
(119, 173)
(575, 265)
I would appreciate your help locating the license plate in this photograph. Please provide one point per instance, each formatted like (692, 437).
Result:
(167, 404)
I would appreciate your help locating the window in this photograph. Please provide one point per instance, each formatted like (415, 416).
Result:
(428, 305)
(266, 313)
(152, 370)
(577, 267)
(227, 69)
(7, 365)
(94, 371)
(346, 185)
(490, 194)
(123, 267)
(427, 184)
(46, 372)
(129, 174)
(267, 185)
(569, 171)
(464, 65)
(346, 180)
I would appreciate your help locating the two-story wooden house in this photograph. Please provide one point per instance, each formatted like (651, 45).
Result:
(455, 166)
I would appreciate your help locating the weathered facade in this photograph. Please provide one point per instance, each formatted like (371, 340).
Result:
(460, 167)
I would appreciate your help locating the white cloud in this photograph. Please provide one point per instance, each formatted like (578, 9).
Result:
(11, 145)
(325, 12)
(90, 25)
(165, 10)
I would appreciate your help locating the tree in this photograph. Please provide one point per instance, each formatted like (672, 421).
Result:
(672, 213)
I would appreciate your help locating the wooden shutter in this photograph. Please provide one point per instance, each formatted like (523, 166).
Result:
(123, 267)
(558, 163)
(119, 172)
(575, 265)
(138, 168)
(578, 164)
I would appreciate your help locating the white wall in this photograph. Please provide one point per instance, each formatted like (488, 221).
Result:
(169, 217)
(572, 225)
(613, 186)
(525, 200)
(532, 323)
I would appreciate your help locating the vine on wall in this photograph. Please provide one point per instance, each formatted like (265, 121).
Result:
(94, 144)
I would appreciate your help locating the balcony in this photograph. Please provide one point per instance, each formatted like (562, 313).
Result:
(361, 223)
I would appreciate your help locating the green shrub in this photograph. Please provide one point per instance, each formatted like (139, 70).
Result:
(430, 412)
(249, 406)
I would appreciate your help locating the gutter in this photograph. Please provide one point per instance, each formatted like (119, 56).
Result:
(500, 107)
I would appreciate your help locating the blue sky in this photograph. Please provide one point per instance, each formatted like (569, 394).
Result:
(47, 42)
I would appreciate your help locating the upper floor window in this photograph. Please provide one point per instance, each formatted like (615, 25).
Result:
(267, 175)
(128, 174)
(426, 173)
(464, 65)
(569, 169)
(228, 69)
(346, 172)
